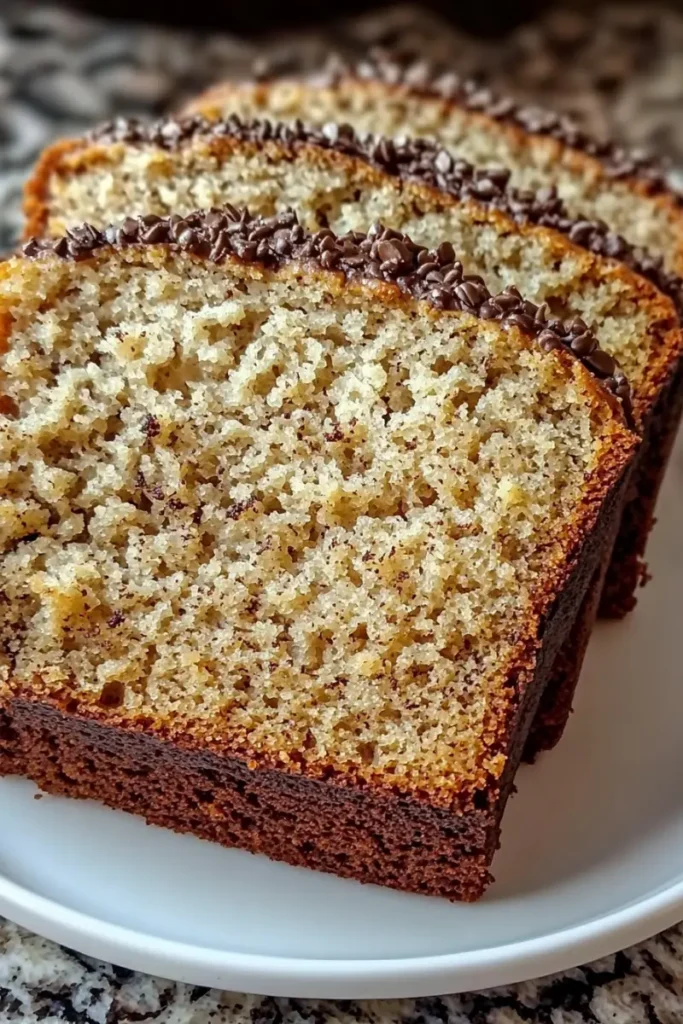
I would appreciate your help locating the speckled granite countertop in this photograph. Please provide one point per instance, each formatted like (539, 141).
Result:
(40, 982)
(622, 67)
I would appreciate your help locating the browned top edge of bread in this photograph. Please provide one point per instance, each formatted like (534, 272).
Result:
(518, 676)
(435, 276)
(414, 168)
(421, 78)
(418, 160)
(411, 159)
(535, 127)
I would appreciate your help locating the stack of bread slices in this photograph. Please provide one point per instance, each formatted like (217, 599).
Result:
(332, 413)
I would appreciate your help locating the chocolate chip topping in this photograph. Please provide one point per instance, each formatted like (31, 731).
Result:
(417, 160)
(433, 275)
(431, 80)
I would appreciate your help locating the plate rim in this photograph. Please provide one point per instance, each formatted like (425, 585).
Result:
(370, 978)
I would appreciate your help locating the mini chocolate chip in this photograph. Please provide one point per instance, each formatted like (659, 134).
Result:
(580, 232)
(329, 258)
(507, 302)
(256, 234)
(601, 361)
(129, 228)
(583, 344)
(246, 250)
(485, 189)
(548, 340)
(446, 252)
(500, 108)
(443, 161)
(471, 293)
(388, 251)
(528, 308)
(330, 131)
(418, 75)
(31, 248)
(576, 325)
(187, 238)
(521, 320)
(216, 219)
(440, 297)
(154, 233)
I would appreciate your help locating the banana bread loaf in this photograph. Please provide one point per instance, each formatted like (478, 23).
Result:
(292, 534)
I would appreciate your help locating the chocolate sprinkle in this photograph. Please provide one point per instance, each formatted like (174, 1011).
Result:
(416, 160)
(380, 255)
(427, 80)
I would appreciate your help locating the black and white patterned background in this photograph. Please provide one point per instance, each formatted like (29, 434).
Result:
(621, 68)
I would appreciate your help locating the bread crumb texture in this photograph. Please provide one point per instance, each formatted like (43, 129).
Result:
(276, 508)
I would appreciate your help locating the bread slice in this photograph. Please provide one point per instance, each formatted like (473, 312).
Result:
(597, 180)
(292, 534)
(332, 177)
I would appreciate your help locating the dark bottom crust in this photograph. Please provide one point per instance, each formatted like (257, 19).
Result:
(356, 832)
(627, 570)
(304, 822)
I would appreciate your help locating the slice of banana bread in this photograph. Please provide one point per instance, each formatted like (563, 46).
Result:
(292, 533)
(332, 177)
(600, 180)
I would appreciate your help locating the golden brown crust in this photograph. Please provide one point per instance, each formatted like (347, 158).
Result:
(37, 188)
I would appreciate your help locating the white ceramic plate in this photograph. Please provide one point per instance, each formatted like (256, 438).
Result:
(591, 858)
